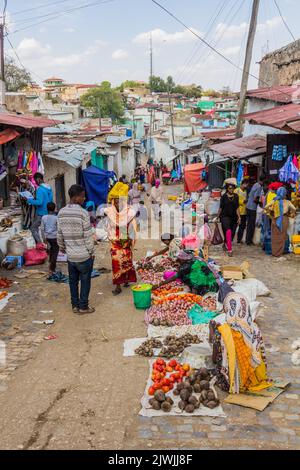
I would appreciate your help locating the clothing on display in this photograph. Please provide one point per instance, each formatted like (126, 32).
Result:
(279, 153)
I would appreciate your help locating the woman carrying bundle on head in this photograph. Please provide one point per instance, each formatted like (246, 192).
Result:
(229, 215)
(121, 234)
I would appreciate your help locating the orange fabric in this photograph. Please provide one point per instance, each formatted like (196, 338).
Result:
(7, 135)
(193, 177)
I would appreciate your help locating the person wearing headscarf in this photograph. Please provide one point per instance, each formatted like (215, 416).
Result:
(280, 209)
(238, 348)
(242, 194)
(156, 197)
(121, 229)
(229, 216)
(134, 195)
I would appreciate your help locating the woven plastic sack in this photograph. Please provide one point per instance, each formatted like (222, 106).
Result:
(36, 256)
(200, 316)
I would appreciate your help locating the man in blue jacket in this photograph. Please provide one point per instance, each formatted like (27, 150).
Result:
(43, 195)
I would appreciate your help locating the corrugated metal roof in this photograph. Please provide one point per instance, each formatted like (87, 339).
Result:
(116, 139)
(280, 117)
(26, 122)
(73, 155)
(241, 148)
(279, 94)
(219, 134)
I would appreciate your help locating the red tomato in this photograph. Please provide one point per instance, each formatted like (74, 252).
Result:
(161, 362)
(172, 363)
(166, 388)
(151, 390)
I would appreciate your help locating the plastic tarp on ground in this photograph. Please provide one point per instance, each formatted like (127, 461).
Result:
(96, 184)
(193, 181)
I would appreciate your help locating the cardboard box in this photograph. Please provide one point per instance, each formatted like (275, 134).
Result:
(232, 272)
(19, 258)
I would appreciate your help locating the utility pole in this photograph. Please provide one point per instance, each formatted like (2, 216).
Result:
(2, 73)
(151, 110)
(99, 113)
(247, 64)
(171, 117)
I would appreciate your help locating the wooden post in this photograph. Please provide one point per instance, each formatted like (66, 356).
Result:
(247, 64)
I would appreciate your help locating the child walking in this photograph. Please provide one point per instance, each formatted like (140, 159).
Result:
(49, 231)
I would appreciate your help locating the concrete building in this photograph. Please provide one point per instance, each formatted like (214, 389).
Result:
(281, 67)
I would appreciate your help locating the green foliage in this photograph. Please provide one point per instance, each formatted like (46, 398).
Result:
(16, 78)
(157, 84)
(107, 98)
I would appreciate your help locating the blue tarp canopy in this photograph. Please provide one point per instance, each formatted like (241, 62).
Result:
(96, 184)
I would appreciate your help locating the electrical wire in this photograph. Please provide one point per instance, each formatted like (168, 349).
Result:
(284, 22)
(210, 46)
(198, 47)
(44, 5)
(53, 16)
(31, 82)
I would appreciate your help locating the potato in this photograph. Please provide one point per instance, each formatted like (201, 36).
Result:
(189, 408)
(176, 392)
(166, 406)
(182, 404)
(210, 395)
(180, 386)
(204, 384)
(203, 395)
(197, 388)
(211, 404)
(159, 395)
(156, 405)
(193, 400)
(169, 400)
(185, 395)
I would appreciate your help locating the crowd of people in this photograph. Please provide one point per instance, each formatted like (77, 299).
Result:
(71, 231)
(264, 205)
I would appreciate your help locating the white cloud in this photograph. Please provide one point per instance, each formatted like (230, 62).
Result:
(230, 51)
(159, 36)
(120, 54)
(30, 48)
(226, 31)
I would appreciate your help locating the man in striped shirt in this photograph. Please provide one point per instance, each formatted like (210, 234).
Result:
(75, 238)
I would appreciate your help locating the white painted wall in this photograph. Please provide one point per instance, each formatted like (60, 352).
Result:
(255, 105)
(162, 150)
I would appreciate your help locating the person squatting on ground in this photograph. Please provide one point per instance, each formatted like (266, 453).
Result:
(229, 216)
(43, 195)
(75, 237)
(49, 231)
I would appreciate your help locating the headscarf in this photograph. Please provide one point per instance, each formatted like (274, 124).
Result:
(157, 183)
(278, 206)
(230, 181)
(275, 186)
(119, 190)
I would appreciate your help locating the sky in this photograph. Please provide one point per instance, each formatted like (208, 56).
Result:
(109, 39)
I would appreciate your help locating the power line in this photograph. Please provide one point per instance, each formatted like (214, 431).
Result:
(52, 16)
(211, 47)
(44, 5)
(31, 82)
(284, 22)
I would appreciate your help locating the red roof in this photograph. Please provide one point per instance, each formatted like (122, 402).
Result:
(281, 117)
(220, 134)
(27, 122)
(280, 94)
(242, 148)
(54, 79)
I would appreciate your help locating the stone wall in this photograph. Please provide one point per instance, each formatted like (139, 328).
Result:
(281, 67)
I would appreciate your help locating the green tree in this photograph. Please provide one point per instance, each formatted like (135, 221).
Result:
(170, 84)
(157, 84)
(109, 100)
(16, 78)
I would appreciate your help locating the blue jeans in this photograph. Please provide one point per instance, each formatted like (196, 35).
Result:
(80, 272)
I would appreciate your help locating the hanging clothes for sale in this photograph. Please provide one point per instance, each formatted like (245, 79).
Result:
(41, 168)
(240, 173)
(289, 172)
(279, 153)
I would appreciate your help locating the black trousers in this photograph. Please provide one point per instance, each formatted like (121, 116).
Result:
(242, 228)
(53, 253)
(251, 219)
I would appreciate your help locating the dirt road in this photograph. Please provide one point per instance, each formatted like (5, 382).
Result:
(78, 392)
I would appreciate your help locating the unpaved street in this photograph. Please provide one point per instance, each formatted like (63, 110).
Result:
(78, 392)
